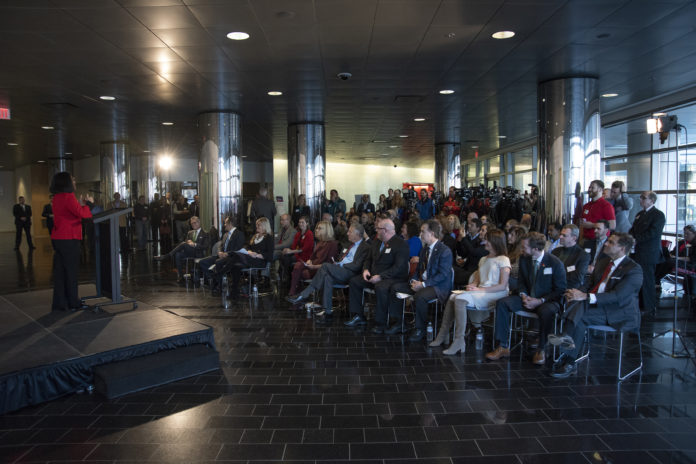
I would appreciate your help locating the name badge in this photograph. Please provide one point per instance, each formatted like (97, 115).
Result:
(587, 211)
(344, 250)
(617, 278)
(587, 250)
(387, 251)
(570, 268)
(548, 271)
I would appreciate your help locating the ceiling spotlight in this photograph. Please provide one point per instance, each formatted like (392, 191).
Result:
(237, 36)
(662, 125)
(167, 123)
(379, 141)
(657, 115)
(165, 162)
(12, 144)
(107, 97)
(403, 136)
(419, 119)
(146, 151)
(502, 136)
(474, 146)
(47, 127)
(68, 153)
(41, 161)
(503, 35)
(446, 91)
(393, 146)
(610, 95)
(275, 93)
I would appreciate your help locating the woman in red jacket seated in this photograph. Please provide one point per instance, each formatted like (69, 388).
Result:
(302, 246)
(325, 250)
(66, 237)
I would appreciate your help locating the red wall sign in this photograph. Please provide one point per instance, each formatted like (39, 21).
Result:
(4, 113)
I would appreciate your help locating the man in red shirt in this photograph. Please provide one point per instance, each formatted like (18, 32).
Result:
(594, 210)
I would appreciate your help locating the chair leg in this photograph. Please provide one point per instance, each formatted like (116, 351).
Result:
(640, 366)
(586, 341)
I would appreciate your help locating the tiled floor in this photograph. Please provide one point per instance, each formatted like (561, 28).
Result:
(292, 390)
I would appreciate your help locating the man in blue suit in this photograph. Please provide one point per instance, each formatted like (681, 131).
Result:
(433, 279)
(541, 283)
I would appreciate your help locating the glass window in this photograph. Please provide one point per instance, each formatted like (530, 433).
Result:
(494, 165)
(523, 159)
(665, 170)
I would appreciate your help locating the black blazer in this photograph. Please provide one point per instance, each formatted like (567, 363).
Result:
(235, 243)
(575, 263)
(359, 258)
(549, 285)
(439, 269)
(620, 297)
(391, 262)
(450, 243)
(472, 251)
(647, 230)
(202, 242)
(265, 247)
(18, 213)
(365, 208)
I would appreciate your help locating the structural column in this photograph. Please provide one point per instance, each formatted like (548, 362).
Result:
(59, 164)
(569, 145)
(115, 171)
(447, 166)
(307, 166)
(220, 168)
(144, 175)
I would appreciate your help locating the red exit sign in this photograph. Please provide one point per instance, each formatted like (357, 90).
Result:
(4, 113)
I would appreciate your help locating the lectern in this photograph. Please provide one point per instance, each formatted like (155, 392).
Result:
(106, 251)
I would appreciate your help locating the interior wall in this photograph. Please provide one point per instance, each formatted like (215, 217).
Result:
(7, 200)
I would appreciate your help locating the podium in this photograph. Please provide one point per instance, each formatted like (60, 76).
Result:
(106, 250)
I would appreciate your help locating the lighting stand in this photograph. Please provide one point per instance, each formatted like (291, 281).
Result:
(674, 331)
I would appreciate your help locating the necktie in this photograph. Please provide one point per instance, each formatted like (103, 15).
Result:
(425, 263)
(343, 256)
(607, 270)
(195, 235)
(229, 235)
(535, 269)
(381, 247)
(600, 245)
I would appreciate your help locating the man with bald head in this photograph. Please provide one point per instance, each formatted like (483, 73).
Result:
(385, 265)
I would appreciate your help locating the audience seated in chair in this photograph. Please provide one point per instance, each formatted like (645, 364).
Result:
(196, 245)
(232, 240)
(301, 248)
(325, 251)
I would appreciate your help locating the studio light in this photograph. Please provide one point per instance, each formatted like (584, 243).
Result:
(662, 125)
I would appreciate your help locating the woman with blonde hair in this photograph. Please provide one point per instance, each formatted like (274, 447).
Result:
(324, 251)
(453, 226)
(487, 285)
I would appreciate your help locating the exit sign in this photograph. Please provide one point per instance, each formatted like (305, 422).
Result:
(4, 113)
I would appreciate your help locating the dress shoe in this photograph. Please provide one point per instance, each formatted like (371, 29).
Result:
(377, 330)
(394, 329)
(539, 358)
(324, 319)
(458, 344)
(417, 335)
(500, 352)
(321, 312)
(564, 341)
(564, 370)
(355, 321)
(295, 299)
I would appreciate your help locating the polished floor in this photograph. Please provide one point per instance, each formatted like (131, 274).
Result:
(293, 390)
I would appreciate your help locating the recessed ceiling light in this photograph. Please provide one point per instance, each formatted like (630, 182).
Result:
(237, 36)
(379, 141)
(167, 123)
(12, 144)
(502, 136)
(657, 115)
(386, 154)
(610, 95)
(393, 146)
(244, 156)
(47, 127)
(403, 136)
(474, 146)
(275, 93)
(146, 151)
(68, 153)
(446, 91)
(41, 161)
(419, 119)
(107, 97)
(503, 35)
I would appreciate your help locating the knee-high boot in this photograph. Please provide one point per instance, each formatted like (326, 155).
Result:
(459, 343)
(447, 319)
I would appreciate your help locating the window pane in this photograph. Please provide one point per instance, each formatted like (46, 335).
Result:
(523, 159)
(494, 165)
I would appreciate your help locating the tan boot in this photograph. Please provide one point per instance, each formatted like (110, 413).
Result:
(443, 333)
(459, 343)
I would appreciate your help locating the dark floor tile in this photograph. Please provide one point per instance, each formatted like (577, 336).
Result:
(107, 451)
(499, 431)
(313, 452)
(13, 453)
(681, 441)
(559, 428)
(624, 457)
(349, 435)
(445, 433)
(231, 436)
(673, 457)
(407, 420)
(179, 452)
(247, 452)
(470, 432)
(447, 449)
(510, 446)
(558, 444)
(555, 458)
(381, 451)
(256, 436)
(291, 422)
(235, 422)
(384, 435)
(318, 436)
(410, 434)
(330, 422)
(636, 441)
(529, 430)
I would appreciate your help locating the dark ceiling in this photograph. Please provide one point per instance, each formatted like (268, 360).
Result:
(167, 60)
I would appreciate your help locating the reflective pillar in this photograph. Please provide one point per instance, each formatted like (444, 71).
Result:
(115, 171)
(59, 164)
(220, 168)
(569, 144)
(447, 166)
(307, 166)
(144, 175)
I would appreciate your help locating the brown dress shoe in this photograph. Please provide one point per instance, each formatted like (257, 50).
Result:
(539, 358)
(498, 353)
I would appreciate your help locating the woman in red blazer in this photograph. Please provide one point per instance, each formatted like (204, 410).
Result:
(66, 237)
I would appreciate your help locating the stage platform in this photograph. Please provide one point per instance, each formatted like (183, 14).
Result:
(45, 354)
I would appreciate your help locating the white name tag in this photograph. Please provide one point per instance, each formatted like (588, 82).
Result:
(548, 271)
(618, 278)
(387, 251)
(344, 250)
(570, 268)
(587, 250)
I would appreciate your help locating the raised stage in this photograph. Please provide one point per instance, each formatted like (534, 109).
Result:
(46, 354)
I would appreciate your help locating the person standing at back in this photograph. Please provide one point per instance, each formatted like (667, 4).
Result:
(592, 211)
(22, 215)
(622, 204)
(263, 207)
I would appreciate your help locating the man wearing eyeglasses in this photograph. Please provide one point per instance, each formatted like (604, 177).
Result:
(647, 230)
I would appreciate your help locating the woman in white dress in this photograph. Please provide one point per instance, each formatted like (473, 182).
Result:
(488, 284)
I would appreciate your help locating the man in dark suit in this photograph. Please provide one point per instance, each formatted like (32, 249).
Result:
(596, 247)
(340, 272)
(433, 279)
(470, 250)
(196, 245)
(232, 240)
(22, 218)
(647, 231)
(574, 259)
(385, 265)
(541, 283)
(609, 297)
(365, 206)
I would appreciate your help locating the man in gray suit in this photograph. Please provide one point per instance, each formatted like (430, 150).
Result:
(339, 272)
